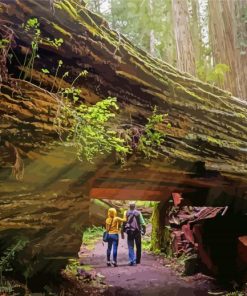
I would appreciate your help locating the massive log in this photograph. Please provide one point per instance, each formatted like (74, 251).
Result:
(208, 124)
(206, 143)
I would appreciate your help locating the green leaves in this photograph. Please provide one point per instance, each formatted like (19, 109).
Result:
(57, 42)
(151, 139)
(136, 19)
(45, 71)
(92, 131)
(217, 74)
(9, 255)
(212, 74)
(88, 127)
(4, 43)
(71, 93)
(31, 23)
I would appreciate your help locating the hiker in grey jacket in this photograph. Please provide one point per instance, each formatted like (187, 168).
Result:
(134, 227)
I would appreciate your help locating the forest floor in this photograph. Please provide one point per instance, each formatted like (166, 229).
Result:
(151, 277)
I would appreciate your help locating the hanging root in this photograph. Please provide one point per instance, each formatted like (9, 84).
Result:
(6, 41)
(18, 167)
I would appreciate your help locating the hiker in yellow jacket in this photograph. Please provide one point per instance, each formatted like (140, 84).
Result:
(112, 227)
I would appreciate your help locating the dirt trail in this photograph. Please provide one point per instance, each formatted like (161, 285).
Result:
(149, 278)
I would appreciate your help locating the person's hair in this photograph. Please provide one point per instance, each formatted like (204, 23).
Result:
(132, 206)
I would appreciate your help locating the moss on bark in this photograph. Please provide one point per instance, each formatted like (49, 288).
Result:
(160, 237)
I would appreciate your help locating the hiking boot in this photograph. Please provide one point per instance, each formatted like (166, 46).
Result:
(114, 264)
(108, 263)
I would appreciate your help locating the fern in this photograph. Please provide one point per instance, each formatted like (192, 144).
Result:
(9, 255)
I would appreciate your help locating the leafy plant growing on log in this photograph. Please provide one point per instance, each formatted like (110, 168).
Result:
(90, 132)
(44, 72)
(151, 137)
(88, 128)
(4, 43)
(33, 26)
(59, 65)
(81, 74)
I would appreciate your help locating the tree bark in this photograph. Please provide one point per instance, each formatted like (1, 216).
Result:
(195, 28)
(182, 32)
(223, 31)
(208, 125)
(151, 34)
(161, 236)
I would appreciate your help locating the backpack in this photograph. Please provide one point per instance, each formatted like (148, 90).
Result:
(132, 225)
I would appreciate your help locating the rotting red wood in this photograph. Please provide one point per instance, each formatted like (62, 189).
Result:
(242, 248)
(128, 194)
(188, 233)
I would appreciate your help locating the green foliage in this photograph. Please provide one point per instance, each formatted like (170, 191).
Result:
(152, 138)
(89, 127)
(4, 43)
(81, 74)
(45, 71)
(214, 75)
(73, 266)
(145, 204)
(146, 242)
(91, 235)
(8, 257)
(57, 42)
(217, 74)
(32, 26)
(6, 288)
(135, 20)
(59, 65)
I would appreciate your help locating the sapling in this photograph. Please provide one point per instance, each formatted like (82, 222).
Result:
(81, 74)
(66, 74)
(59, 65)
(44, 72)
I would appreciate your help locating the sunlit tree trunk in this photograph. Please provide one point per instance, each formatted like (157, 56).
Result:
(94, 5)
(184, 45)
(151, 34)
(196, 29)
(223, 29)
(113, 17)
(241, 43)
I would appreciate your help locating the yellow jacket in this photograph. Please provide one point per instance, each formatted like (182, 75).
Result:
(112, 222)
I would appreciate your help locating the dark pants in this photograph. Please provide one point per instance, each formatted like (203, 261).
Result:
(112, 242)
(134, 239)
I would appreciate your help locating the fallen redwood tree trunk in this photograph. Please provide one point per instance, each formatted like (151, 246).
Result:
(208, 124)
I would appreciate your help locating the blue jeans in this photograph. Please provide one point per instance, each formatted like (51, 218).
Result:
(112, 241)
(134, 239)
